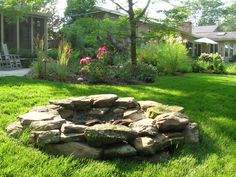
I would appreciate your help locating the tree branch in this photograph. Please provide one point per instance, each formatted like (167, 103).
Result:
(122, 8)
(144, 10)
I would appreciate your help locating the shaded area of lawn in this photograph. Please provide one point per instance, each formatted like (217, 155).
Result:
(209, 100)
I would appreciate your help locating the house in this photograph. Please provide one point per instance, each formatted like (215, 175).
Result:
(226, 41)
(22, 34)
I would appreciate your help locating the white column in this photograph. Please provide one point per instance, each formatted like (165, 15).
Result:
(2, 29)
(46, 33)
(32, 33)
(18, 35)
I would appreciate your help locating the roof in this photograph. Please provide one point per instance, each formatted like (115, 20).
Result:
(205, 29)
(219, 36)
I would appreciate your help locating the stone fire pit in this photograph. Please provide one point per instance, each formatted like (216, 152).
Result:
(105, 127)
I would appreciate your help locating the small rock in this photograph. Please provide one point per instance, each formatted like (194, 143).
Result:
(103, 134)
(75, 149)
(173, 121)
(191, 133)
(93, 122)
(30, 117)
(145, 145)
(145, 127)
(41, 138)
(119, 111)
(152, 112)
(147, 104)
(125, 122)
(120, 151)
(47, 125)
(68, 128)
(103, 100)
(66, 103)
(15, 129)
(73, 137)
(47, 108)
(127, 102)
(134, 115)
(66, 113)
(80, 79)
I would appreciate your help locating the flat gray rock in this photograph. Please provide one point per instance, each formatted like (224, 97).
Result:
(72, 137)
(41, 138)
(103, 100)
(68, 128)
(147, 104)
(191, 133)
(126, 102)
(30, 117)
(81, 103)
(103, 134)
(75, 149)
(47, 125)
(145, 127)
(15, 129)
(120, 151)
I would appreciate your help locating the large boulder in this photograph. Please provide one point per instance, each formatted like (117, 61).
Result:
(145, 127)
(47, 125)
(126, 102)
(191, 133)
(173, 121)
(103, 100)
(147, 104)
(103, 134)
(15, 129)
(41, 138)
(75, 149)
(68, 128)
(152, 112)
(124, 150)
(30, 117)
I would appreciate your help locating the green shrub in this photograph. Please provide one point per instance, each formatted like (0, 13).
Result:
(53, 53)
(167, 56)
(37, 69)
(58, 72)
(230, 68)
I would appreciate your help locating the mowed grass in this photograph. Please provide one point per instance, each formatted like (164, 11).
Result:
(209, 100)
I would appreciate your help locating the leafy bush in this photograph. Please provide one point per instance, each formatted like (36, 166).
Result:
(212, 63)
(53, 53)
(167, 55)
(37, 69)
(233, 59)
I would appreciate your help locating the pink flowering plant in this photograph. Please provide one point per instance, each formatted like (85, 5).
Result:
(85, 60)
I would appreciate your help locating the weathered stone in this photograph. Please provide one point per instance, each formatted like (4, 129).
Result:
(147, 104)
(127, 102)
(30, 117)
(125, 122)
(15, 129)
(145, 127)
(145, 145)
(156, 158)
(66, 103)
(73, 137)
(41, 138)
(47, 108)
(134, 115)
(191, 133)
(124, 150)
(99, 135)
(47, 125)
(103, 100)
(66, 113)
(81, 103)
(68, 128)
(75, 149)
(149, 146)
(152, 112)
(173, 121)
(92, 122)
(98, 111)
(119, 111)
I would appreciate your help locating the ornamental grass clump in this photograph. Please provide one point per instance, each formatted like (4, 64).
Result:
(64, 52)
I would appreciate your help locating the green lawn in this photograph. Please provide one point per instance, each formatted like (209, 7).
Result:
(209, 100)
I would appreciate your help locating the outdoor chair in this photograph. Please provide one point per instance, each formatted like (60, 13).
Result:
(14, 60)
(6, 63)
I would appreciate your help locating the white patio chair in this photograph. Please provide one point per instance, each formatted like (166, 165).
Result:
(14, 59)
(6, 63)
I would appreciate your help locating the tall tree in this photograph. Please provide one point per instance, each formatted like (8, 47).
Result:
(206, 12)
(229, 23)
(19, 8)
(134, 17)
(78, 8)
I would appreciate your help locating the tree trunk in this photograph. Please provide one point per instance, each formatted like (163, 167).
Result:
(133, 36)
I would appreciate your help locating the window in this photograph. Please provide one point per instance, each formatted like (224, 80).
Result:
(229, 50)
(189, 46)
(214, 48)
